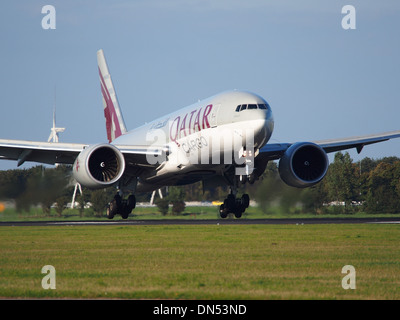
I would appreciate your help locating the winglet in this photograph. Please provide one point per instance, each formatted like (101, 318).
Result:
(115, 124)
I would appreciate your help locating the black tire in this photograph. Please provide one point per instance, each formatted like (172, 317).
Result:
(118, 200)
(112, 209)
(230, 203)
(245, 201)
(125, 215)
(222, 212)
(238, 212)
(125, 210)
(239, 208)
(131, 203)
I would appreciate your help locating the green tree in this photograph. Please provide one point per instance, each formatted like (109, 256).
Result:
(314, 198)
(176, 197)
(44, 186)
(13, 183)
(269, 187)
(343, 180)
(273, 192)
(383, 195)
(163, 205)
(99, 199)
(82, 200)
(61, 203)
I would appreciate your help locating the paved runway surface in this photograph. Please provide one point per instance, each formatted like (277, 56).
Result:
(202, 222)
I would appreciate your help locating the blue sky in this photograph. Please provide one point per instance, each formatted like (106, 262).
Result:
(321, 81)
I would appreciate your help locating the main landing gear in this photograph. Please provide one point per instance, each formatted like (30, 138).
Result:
(121, 206)
(234, 205)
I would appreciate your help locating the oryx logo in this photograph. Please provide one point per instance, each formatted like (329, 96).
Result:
(113, 126)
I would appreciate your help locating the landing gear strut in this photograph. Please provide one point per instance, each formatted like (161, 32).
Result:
(234, 205)
(121, 206)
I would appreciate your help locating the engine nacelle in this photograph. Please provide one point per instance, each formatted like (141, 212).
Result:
(303, 165)
(99, 166)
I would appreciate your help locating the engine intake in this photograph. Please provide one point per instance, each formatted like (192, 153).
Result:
(99, 166)
(303, 165)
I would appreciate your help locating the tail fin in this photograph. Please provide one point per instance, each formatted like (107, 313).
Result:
(114, 121)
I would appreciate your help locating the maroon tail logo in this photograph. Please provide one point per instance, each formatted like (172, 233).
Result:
(112, 121)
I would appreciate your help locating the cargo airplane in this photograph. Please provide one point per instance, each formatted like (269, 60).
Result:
(187, 146)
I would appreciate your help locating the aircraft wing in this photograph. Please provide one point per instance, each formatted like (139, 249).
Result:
(276, 150)
(43, 152)
(66, 153)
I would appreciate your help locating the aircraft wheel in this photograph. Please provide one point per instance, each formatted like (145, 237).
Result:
(118, 199)
(239, 208)
(112, 209)
(131, 203)
(238, 212)
(125, 210)
(230, 203)
(222, 212)
(245, 201)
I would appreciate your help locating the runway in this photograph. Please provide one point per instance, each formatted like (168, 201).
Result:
(289, 221)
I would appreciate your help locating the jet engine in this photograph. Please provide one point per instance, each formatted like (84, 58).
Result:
(303, 165)
(99, 166)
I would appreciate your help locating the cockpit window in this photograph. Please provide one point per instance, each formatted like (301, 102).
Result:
(264, 106)
(242, 107)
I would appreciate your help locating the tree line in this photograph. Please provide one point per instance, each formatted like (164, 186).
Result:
(370, 185)
(47, 188)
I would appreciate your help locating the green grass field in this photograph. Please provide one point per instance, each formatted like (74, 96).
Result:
(202, 262)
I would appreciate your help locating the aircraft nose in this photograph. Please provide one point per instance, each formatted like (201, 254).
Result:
(263, 125)
(265, 131)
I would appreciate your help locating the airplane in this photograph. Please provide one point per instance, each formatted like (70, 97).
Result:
(185, 147)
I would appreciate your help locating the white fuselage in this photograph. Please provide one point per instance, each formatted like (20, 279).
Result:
(203, 138)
